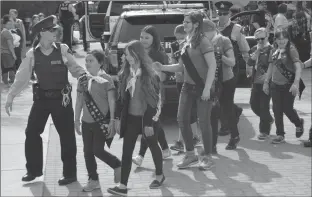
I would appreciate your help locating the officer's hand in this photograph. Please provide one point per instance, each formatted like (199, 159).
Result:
(111, 130)
(117, 126)
(266, 88)
(78, 127)
(149, 131)
(8, 108)
(248, 71)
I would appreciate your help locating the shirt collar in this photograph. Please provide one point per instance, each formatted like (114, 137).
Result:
(53, 44)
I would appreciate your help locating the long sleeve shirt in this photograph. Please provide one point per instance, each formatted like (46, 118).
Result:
(24, 72)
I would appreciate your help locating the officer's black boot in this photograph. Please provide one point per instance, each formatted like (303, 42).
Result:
(308, 143)
(66, 181)
(30, 177)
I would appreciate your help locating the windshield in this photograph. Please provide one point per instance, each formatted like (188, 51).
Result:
(165, 24)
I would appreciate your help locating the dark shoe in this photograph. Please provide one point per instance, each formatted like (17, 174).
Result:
(278, 140)
(178, 146)
(117, 191)
(307, 144)
(66, 181)
(232, 143)
(156, 184)
(300, 130)
(29, 177)
(224, 132)
(238, 114)
(263, 136)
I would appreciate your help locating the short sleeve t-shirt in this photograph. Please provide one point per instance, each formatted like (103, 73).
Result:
(289, 62)
(99, 93)
(5, 36)
(198, 59)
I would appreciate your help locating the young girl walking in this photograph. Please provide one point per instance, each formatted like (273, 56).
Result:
(97, 102)
(151, 42)
(136, 107)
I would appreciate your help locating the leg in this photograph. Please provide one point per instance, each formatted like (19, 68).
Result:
(161, 135)
(67, 37)
(63, 118)
(215, 114)
(33, 144)
(133, 130)
(277, 100)
(266, 119)
(288, 106)
(204, 115)
(143, 147)
(87, 137)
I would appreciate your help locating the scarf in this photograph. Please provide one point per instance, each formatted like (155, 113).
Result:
(134, 76)
(96, 78)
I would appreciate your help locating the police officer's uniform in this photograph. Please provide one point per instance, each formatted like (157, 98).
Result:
(240, 45)
(67, 20)
(51, 96)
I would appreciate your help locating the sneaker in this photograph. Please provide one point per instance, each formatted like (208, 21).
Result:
(117, 191)
(278, 140)
(137, 160)
(263, 136)
(196, 141)
(117, 174)
(188, 161)
(156, 184)
(91, 185)
(300, 130)
(166, 154)
(178, 146)
(206, 163)
(232, 143)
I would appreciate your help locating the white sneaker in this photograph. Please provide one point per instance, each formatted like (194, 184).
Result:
(91, 185)
(137, 160)
(166, 154)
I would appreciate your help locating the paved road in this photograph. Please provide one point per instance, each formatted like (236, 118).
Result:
(255, 169)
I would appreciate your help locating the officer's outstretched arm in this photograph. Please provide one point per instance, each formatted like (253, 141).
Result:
(242, 42)
(22, 76)
(72, 65)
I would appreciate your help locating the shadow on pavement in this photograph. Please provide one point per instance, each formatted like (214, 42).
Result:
(38, 188)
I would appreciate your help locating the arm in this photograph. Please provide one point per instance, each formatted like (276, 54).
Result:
(212, 65)
(22, 76)
(229, 59)
(308, 63)
(78, 107)
(72, 65)
(112, 102)
(23, 34)
(298, 73)
(173, 67)
(242, 43)
(73, 11)
(11, 47)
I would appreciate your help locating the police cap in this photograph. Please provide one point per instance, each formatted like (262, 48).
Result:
(45, 25)
(223, 5)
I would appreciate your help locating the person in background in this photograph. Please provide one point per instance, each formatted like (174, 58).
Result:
(18, 23)
(52, 96)
(103, 93)
(176, 47)
(18, 43)
(233, 11)
(151, 41)
(8, 56)
(41, 16)
(34, 21)
(67, 15)
(241, 48)
(280, 20)
(59, 32)
(259, 63)
(283, 79)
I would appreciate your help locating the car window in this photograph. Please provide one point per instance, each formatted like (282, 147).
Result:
(131, 27)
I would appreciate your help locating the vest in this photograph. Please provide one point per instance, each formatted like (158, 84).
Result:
(51, 71)
(65, 14)
(238, 55)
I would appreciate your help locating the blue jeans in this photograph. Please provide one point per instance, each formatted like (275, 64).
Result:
(189, 94)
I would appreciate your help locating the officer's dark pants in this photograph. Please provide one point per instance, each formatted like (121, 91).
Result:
(67, 32)
(86, 45)
(260, 105)
(223, 120)
(283, 103)
(161, 139)
(18, 53)
(63, 119)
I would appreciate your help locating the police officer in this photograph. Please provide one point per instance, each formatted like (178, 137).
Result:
(240, 47)
(67, 14)
(51, 96)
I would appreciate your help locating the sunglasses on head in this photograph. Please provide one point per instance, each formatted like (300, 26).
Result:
(258, 39)
(223, 13)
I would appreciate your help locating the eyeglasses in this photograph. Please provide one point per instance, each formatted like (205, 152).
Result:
(186, 22)
(223, 13)
(50, 30)
(258, 39)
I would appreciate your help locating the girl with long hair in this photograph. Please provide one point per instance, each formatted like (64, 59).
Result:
(103, 92)
(284, 75)
(138, 97)
(151, 42)
(199, 65)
